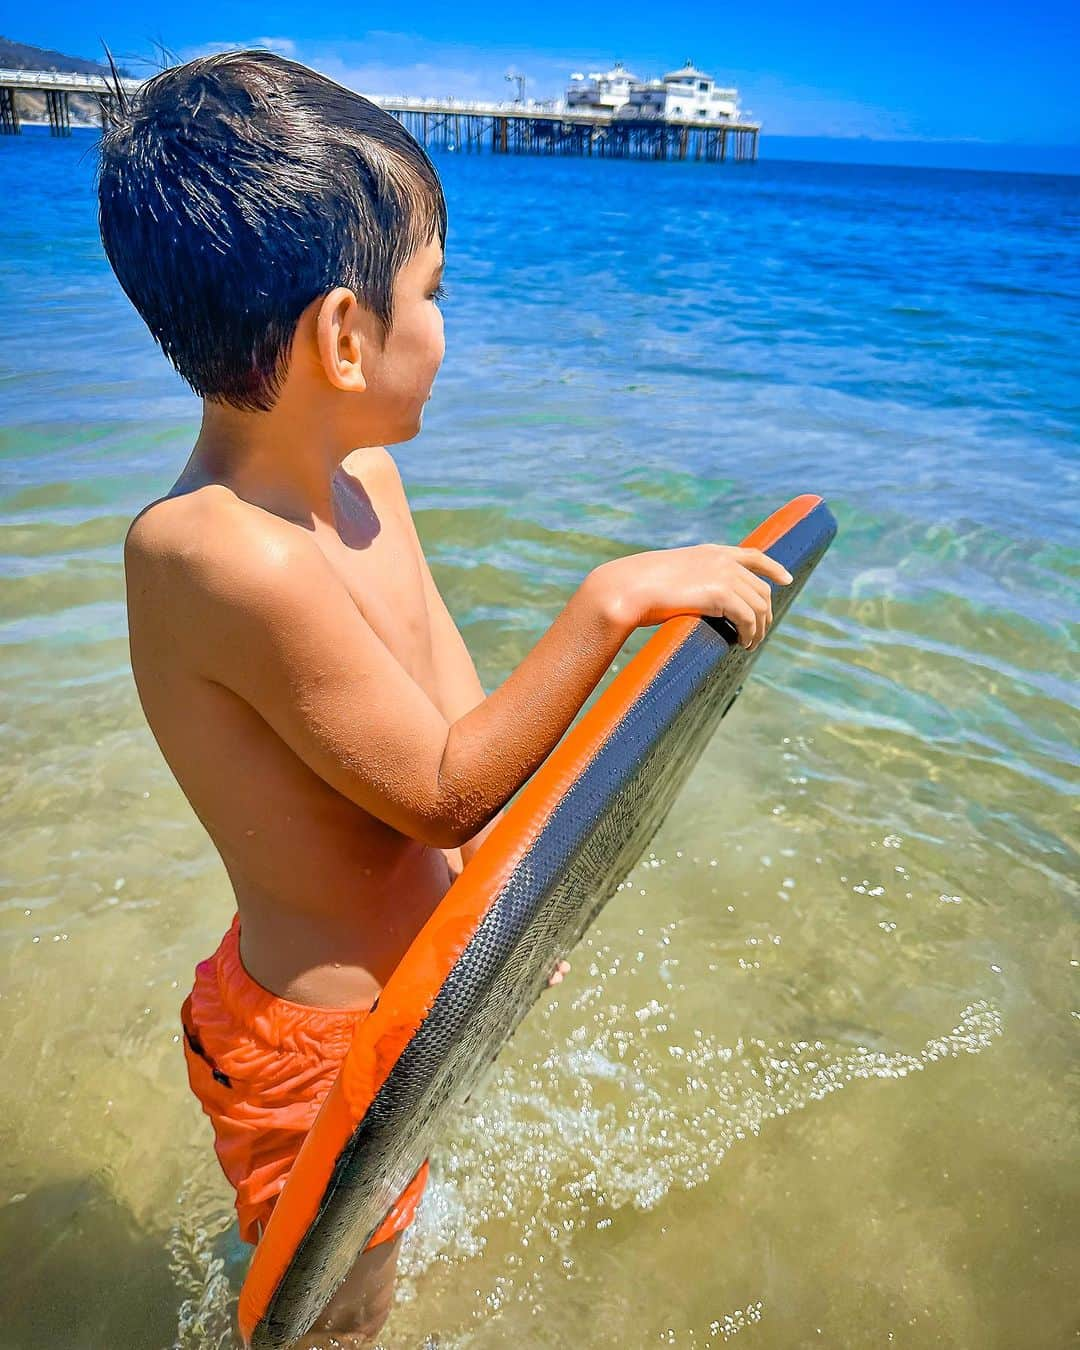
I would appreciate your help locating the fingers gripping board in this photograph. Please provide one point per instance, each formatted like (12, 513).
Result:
(484, 956)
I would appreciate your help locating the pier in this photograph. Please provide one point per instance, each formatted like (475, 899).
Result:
(539, 129)
(520, 128)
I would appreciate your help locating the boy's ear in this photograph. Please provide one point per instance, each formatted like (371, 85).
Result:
(338, 333)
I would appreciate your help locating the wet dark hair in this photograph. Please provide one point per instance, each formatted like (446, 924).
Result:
(236, 188)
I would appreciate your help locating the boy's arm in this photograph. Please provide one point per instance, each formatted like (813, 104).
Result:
(251, 604)
(459, 686)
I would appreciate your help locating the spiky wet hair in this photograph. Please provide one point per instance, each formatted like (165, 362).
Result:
(236, 188)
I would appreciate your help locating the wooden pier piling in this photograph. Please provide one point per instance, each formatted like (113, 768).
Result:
(9, 113)
(515, 131)
(56, 103)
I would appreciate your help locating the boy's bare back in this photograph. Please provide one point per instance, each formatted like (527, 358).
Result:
(329, 895)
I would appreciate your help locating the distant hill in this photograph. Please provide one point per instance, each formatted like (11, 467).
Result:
(25, 56)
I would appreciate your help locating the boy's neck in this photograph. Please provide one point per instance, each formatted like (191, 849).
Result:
(270, 459)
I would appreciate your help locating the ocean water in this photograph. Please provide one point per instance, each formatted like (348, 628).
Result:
(812, 1078)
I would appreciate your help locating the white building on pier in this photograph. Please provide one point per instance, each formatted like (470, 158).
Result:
(684, 95)
(600, 91)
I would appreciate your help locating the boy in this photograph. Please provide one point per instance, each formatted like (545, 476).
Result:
(282, 237)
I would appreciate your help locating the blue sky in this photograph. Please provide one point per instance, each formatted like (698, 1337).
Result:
(918, 71)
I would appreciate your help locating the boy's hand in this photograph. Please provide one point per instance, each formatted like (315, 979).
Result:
(560, 970)
(719, 580)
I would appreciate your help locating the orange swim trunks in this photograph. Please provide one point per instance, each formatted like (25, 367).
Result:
(261, 1066)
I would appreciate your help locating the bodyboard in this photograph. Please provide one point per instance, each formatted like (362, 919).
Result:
(484, 956)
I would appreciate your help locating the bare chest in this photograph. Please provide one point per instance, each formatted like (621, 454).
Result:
(375, 554)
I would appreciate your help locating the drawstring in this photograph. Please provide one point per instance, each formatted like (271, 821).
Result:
(196, 1045)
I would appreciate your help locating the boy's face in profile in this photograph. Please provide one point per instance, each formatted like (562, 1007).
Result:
(396, 375)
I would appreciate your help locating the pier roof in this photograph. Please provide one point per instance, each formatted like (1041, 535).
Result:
(688, 71)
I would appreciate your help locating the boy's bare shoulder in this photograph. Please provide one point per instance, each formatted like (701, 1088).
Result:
(376, 463)
(376, 456)
(207, 533)
(376, 466)
(211, 543)
(190, 551)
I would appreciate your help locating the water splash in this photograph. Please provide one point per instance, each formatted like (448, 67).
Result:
(563, 1144)
(198, 1246)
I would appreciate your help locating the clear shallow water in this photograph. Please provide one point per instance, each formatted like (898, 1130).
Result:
(811, 1080)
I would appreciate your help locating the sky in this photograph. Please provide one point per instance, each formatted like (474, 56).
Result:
(942, 71)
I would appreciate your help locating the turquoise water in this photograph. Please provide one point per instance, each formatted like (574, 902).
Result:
(811, 1080)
